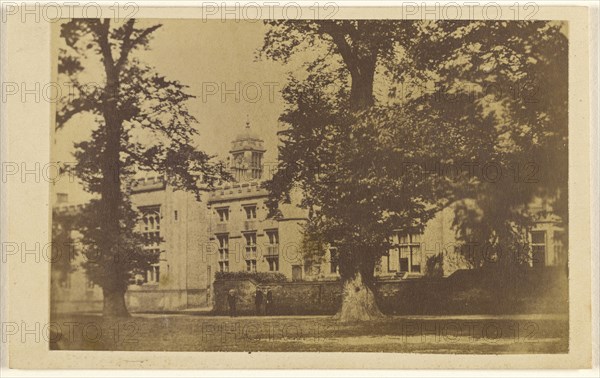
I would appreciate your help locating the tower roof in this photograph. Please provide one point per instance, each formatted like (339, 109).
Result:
(247, 140)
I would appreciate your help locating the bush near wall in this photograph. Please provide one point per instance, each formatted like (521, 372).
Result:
(260, 277)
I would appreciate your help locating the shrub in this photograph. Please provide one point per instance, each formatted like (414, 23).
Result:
(260, 277)
(434, 267)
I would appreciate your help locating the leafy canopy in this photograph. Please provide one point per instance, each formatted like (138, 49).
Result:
(443, 96)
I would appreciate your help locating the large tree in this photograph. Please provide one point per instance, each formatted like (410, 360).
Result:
(377, 117)
(508, 81)
(140, 122)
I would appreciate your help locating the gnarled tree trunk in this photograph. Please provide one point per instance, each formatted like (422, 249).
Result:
(358, 301)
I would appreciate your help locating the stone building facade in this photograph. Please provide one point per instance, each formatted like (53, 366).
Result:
(228, 229)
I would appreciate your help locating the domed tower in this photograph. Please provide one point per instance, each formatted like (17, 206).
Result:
(247, 151)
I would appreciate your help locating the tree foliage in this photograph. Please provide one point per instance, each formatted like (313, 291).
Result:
(142, 123)
(395, 120)
(508, 81)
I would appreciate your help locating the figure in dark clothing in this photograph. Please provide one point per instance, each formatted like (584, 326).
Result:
(258, 301)
(232, 299)
(269, 304)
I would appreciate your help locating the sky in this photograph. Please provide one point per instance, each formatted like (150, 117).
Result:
(218, 61)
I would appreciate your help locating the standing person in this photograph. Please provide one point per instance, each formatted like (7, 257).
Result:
(269, 305)
(258, 301)
(232, 299)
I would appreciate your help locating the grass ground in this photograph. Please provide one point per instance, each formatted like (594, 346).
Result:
(434, 334)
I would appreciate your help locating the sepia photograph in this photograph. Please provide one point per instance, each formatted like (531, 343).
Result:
(329, 185)
(337, 186)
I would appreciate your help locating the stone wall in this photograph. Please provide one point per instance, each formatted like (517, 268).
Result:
(289, 298)
(467, 293)
(319, 297)
(155, 300)
(316, 297)
(245, 290)
(136, 299)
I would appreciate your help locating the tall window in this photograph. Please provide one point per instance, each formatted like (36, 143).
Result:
(409, 247)
(250, 251)
(538, 248)
(334, 259)
(153, 274)
(256, 165)
(152, 239)
(250, 211)
(273, 250)
(223, 214)
(223, 252)
(255, 160)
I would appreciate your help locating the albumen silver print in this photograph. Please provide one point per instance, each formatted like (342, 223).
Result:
(340, 180)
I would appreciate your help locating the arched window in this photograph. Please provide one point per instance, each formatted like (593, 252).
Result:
(151, 227)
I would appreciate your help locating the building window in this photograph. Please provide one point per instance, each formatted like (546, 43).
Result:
(175, 214)
(296, 272)
(273, 237)
(255, 164)
(151, 227)
(255, 160)
(251, 265)
(538, 248)
(273, 263)
(223, 214)
(250, 212)
(250, 251)
(152, 239)
(409, 247)
(223, 252)
(334, 260)
(153, 274)
(62, 197)
(273, 250)
(224, 266)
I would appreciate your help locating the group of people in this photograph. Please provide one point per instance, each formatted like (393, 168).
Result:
(263, 300)
(263, 297)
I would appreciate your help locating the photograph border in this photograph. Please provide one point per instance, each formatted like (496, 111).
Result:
(28, 140)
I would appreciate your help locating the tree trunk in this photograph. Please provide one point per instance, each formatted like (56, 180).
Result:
(114, 304)
(361, 92)
(110, 188)
(358, 301)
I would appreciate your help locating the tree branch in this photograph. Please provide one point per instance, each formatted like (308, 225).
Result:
(129, 44)
(102, 37)
(338, 35)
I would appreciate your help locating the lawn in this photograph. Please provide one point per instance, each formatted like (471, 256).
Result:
(435, 334)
